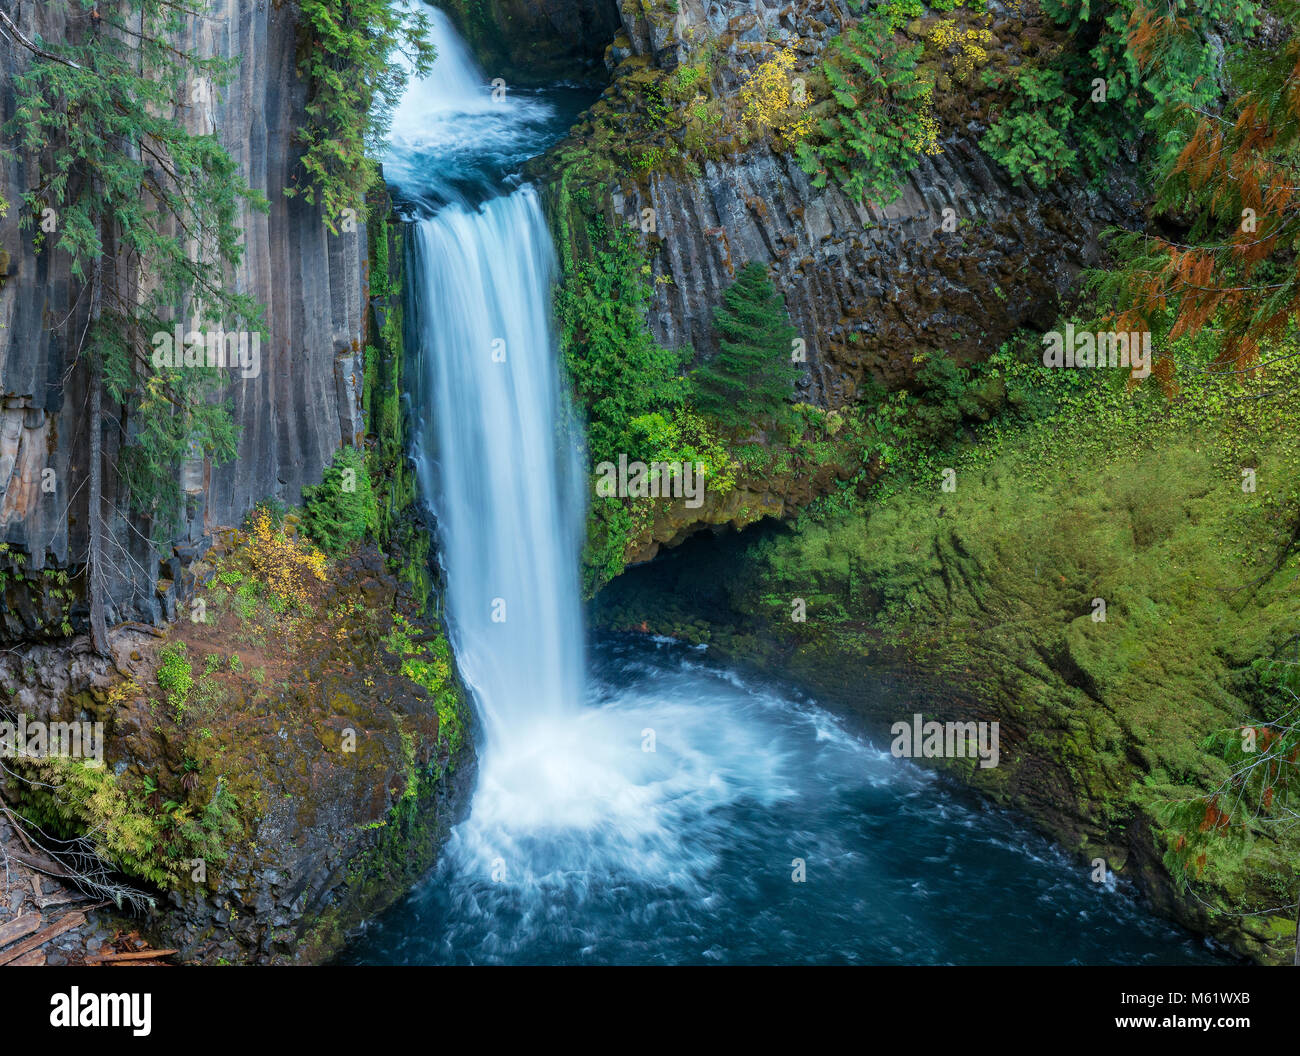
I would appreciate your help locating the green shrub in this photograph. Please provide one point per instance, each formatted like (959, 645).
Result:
(339, 510)
(71, 798)
(1029, 139)
(246, 599)
(882, 122)
(174, 674)
(1056, 120)
(619, 371)
(684, 437)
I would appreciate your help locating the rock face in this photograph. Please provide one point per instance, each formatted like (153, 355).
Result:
(957, 262)
(325, 745)
(292, 417)
(869, 287)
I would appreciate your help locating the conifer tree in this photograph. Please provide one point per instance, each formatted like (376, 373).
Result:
(751, 380)
(355, 83)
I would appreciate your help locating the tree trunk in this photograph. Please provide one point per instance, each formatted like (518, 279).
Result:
(95, 502)
(1297, 934)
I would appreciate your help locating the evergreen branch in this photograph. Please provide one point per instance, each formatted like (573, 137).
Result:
(19, 37)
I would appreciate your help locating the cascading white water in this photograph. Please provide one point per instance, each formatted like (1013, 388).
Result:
(491, 453)
(458, 87)
(498, 463)
(452, 131)
(566, 793)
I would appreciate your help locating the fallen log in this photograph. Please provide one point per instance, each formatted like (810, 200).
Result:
(18, 927)
(72, 920)
(65, 898)
(40, 863)
(117, 958)
(31, 959)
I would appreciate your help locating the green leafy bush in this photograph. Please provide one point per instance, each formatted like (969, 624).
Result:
(174, 674)
(71, 798)
(619, 371)
(1029, 140)
(882, 121)
(1094, 98)
(681, 436)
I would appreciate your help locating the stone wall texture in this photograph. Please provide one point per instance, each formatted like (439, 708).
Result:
(292, 417)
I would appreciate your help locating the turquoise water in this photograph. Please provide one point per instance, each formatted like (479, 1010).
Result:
(687, 859)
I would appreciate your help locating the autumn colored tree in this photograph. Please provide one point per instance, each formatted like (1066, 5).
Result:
(1232, 192)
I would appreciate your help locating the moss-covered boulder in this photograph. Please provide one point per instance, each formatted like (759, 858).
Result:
(277, 769)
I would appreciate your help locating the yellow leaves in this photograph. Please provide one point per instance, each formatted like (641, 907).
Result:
(925, 140)
(773, 101)
(970, 45)
(283, 565)
(122, 693)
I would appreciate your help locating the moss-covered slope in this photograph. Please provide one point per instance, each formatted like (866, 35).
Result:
(985, 602)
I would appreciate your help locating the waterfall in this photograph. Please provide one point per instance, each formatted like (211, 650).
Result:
(495, 459)
(458, 87)
(565, 792)
(494, 456)
(648, 807)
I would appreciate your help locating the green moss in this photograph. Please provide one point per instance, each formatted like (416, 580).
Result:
(402, 849)
(175, 675)
(429, 664)
(399, 530)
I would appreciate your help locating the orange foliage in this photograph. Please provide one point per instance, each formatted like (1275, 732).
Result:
(1242, 174)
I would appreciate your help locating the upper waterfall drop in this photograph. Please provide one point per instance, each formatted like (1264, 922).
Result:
(453, 136)
(456, 86)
